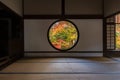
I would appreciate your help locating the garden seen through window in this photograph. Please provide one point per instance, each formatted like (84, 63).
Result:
(117, 21)
(63, 35)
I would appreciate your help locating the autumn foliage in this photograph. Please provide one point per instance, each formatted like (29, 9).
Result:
(118, 36)
(63, 35)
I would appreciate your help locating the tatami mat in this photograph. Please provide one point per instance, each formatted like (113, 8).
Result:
(117, 59)
(38, 67)
(66, 60)
(59, 65)
(64, 67)
(42, 60)
(60, 77)
(97, 68)
(91, 60)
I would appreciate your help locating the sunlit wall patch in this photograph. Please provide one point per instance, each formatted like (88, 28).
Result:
(63, 35)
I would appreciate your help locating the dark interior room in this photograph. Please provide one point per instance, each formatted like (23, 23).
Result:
(59, 39)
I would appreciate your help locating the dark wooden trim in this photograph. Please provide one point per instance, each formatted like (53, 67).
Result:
(66, 17)
(9, 10)
(112, 14)
(22, 36)
(109, 53)
(16, 20)
(10, 61)
(63, 8)
(23, 26)
(112, 53)
(104, 35)
(103, 6)
(104, 28)
(23, 7)
(4, 58)
(63, 52)
(84, 16)
(110, 23)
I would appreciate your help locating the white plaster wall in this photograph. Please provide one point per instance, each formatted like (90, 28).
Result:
(90, 35)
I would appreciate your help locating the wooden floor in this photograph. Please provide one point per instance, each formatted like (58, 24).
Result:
(97, 68)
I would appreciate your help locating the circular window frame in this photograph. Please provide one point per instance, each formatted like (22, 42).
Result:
(78, 35)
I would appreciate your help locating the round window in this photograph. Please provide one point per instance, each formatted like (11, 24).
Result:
(63, 35)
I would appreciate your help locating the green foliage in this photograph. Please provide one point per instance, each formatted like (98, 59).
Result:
(65, 37)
